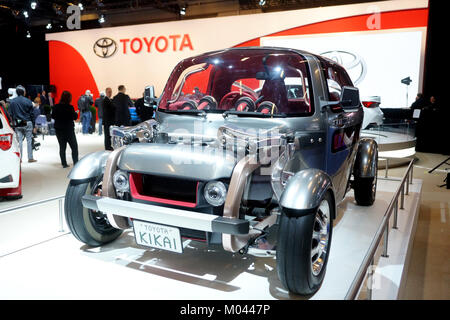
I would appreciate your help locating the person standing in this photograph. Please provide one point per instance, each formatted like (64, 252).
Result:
(99, 105)
(50, 99)
(419, 103)
(144, 112)
(21, 110)
(122, 103)
(64, 115)
(109, 114)
(84, 105)
(44, 100)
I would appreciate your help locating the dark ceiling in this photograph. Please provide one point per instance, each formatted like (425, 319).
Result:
(120, 12)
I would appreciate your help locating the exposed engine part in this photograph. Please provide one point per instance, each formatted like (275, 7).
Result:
(143, 132)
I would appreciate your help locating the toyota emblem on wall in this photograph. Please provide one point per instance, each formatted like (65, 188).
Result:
(352, 62)
(105, 47)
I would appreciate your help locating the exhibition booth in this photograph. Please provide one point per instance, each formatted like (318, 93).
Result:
(332, 161)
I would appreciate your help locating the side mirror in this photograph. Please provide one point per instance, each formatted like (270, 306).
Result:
(149, 96)
(350, 98)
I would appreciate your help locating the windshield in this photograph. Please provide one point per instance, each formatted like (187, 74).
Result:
(242, 80)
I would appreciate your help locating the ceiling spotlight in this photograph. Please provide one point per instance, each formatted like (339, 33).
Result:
(262, 2)
(102, 19)
(183, 11)
(48, 26)
(33, 5)
(25, 14)
(28, 35)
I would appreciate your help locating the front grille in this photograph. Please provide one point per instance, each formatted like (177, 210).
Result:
(154, 188)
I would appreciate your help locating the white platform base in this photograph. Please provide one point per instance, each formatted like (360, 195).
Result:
(37, 262)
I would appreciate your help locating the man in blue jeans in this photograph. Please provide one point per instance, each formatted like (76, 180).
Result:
(21, 110)
(84, 105)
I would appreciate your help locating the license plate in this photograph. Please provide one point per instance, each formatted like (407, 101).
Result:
(157, 236)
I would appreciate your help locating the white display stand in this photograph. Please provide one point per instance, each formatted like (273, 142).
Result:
(37, 262)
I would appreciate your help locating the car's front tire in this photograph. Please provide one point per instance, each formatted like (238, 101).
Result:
(88, 226)
(303, 248)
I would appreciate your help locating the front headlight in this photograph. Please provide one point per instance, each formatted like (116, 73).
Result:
(120, 181)
(215, 193)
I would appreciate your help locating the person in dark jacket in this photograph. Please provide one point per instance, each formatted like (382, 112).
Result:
(145, 113)
(64, 115)
(99, 105)
(420, 102)
(84, 106)
(109, 114)
(122, 103)
(21, 110)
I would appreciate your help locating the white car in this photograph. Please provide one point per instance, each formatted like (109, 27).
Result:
(372, 111)
(10, 168)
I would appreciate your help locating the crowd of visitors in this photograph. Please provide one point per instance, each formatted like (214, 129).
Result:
(25, 115)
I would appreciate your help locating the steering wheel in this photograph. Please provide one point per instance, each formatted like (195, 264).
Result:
(231, 97)
(267, 107)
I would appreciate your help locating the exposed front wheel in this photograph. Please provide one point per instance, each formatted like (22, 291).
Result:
(303, 248)
(88, 226)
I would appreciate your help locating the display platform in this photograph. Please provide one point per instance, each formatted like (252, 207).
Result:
(38, 262)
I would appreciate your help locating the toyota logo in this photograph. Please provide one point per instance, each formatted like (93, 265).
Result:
(105, 47)
(353, 63)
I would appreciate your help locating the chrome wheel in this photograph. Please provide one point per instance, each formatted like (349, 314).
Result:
(320, 237)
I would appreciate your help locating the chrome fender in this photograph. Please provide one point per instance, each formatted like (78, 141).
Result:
(90, 166)
(304, 191)
(366, 159)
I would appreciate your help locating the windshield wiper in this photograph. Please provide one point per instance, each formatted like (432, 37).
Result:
(189, 111)
(253, 114)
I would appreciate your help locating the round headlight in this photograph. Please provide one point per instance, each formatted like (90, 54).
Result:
(120, 181)
(215, 193)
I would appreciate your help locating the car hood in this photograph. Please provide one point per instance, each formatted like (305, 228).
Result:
(195, 150)
(178, 160)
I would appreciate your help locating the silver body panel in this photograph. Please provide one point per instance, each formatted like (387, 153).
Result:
(90, 166)
(306, 189)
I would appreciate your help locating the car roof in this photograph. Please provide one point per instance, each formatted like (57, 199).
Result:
(268, 50)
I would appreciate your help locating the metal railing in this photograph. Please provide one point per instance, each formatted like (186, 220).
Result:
(382, 232)
(35, 203)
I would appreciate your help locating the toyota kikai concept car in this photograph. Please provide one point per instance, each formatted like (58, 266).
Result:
(251, 150)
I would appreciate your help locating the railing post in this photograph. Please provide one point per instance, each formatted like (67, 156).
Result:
(386, 167)
(395, 214)
(61, 225)
(370, 281)
(386, 239)
(407, 185)
(402, 197)
(411, 173)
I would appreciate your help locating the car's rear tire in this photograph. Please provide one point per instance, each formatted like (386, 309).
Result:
(88, 226)
(303, 248)
(365, 190)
